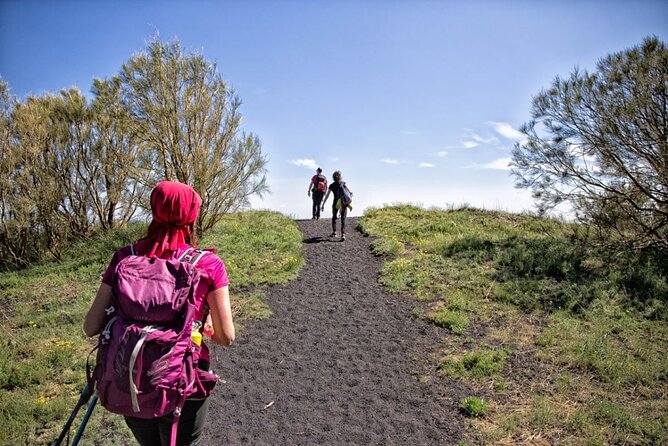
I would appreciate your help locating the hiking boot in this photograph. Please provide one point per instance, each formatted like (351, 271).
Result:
(333, 234)
(343, 237)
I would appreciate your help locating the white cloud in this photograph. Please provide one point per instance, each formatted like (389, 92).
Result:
(308, 163)
(499, 164)
(507, 131)
(479, 138)
(427, 165)
(442, 153)
(470, 144)
(389, 161)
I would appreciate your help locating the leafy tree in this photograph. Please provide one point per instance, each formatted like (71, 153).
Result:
(34, 195)
(15, 225)
(189, 117)
(123, 168)
(598, 142)
(58, 174)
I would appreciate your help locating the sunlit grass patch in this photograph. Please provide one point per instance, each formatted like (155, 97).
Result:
(387, 246)
(611, 344)
(426, 275)
(258, 247)
(477, 364)
(455, 321)
(459, 300)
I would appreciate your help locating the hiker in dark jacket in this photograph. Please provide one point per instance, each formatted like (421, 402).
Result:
(317, 187)
(174, 208)
(338, 208)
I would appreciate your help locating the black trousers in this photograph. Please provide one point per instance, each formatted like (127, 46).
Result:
(157, 431)
(317, 195)
(343, 212)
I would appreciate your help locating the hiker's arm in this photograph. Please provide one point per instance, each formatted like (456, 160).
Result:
(221, 316)
(326, 196)
(96, 316)
(308, 192)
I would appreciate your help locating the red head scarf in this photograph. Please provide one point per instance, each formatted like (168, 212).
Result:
(174, 207)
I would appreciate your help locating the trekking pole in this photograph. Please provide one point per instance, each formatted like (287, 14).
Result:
(84, 421)
(83, 398)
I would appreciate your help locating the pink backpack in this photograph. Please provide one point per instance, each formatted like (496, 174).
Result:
(146, 361)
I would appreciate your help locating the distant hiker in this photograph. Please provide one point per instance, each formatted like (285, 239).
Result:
(317, 187)
(152, 366)
(341, 202)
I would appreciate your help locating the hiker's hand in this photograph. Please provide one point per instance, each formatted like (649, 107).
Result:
(308, 193)
(208, 327)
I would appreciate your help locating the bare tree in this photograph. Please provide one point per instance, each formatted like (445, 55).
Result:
(598, 142)
(189, 117)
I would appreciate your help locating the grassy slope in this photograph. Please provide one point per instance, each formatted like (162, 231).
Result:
(43, 349)
(513, 290)
(555, 339)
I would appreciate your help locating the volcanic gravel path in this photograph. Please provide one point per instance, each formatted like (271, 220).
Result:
(337, 363)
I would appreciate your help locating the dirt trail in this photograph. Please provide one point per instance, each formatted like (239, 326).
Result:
(339, 360)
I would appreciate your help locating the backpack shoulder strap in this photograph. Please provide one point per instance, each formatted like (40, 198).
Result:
(192, 255)
(200, 253)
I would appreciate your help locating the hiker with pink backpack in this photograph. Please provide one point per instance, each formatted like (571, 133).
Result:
(317, 187)
(156, 299)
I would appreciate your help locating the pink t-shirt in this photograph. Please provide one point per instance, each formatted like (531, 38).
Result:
(213, 274)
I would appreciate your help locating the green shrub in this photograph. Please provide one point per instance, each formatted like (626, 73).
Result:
(473, 406)
(541, 257)
(644, 276)
(476, 364)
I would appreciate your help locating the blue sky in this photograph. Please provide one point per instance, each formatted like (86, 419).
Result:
(412, 100)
